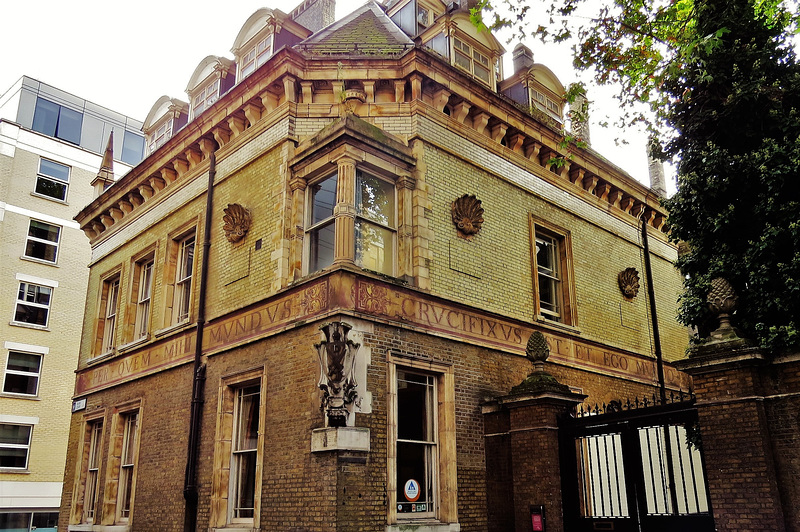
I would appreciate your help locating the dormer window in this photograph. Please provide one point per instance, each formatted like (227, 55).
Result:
(255, 57)
(205, 98)
(546, 104)
(160, 135)
(471, 60)
(423, 16)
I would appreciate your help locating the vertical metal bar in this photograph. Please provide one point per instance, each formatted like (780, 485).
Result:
(694, 478)
(600, 480)
(583, 462)
(616, 470)
(683, 473)
(664, 483)
(652, 473)
(608, 475)
(591, 474)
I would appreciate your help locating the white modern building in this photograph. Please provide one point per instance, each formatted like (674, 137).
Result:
(51, 147)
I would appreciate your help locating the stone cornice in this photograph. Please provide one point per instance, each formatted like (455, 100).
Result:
(424, 77)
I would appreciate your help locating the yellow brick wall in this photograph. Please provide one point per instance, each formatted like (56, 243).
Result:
(494, 271)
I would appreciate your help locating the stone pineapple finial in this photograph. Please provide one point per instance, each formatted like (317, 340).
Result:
(537, 351)
(722, 302)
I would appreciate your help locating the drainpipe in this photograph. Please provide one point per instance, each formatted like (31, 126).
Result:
(662, 386)
(190, 480)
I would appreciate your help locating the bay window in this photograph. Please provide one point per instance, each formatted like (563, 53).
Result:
(375, 223)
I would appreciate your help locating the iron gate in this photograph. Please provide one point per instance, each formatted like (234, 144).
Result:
(635, 467)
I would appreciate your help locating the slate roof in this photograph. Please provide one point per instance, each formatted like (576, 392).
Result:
(365, 32)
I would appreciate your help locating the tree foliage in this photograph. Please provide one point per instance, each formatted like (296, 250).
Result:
(723, 86)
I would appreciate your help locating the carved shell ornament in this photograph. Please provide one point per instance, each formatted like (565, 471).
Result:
(629, 282)
(237, 222)
(467, 215)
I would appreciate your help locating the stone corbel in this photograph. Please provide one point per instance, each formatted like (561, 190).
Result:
(416, 87)
(637, 210)
(576, 177)
(532, 151)
(289, 89)
(659, 220)
(626, 204)
(222, 136)
(116, 214)
(181, 167)
(89, 232)
(135, 199)
(602, 191)
(97, 227)
(193, 156)
(106, 220)
(589, 183)
(168, 175)
(564, 170)
(269, 101)
(207, 147)
(498, 131)
(650, 216)
(306, 88)
(156, 183)
(369, 89)
(614, 197)
(479, 121)
(125, 206)
(516, 141)
(237, 125)
(440, 99)
(400, 90)
(461, 110)
(252, 112)
(146, 191)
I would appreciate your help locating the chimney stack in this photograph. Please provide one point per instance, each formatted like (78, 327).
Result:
(579, 117)
(523, 58)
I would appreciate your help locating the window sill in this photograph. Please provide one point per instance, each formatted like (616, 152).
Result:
(99, 358)
(14, 471)
(235, 528)
(50, 198)
(423, 526)
(40, 261)
(26, 397)
(131, 345)
(86, 527)
(542, 320)
(29, 325)
(172, 328)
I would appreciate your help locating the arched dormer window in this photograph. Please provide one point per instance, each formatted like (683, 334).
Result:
(534, 86)
(167, 116)
(545, 91)
(476, 53)
(265, 31)
(255, 42)
(212, 78)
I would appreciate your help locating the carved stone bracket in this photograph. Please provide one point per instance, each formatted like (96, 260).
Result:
(337, 358)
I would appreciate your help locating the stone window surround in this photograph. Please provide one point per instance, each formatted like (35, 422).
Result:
(77, 518)
(111, 489)
(446, 483)
(132, 318)
(99, 336)
(344, 158)
(567, 281)
(220, 518)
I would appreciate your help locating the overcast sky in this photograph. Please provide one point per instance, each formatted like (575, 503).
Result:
(125, 55)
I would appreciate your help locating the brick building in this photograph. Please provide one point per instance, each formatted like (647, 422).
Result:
(51, 147)
(327, 282)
